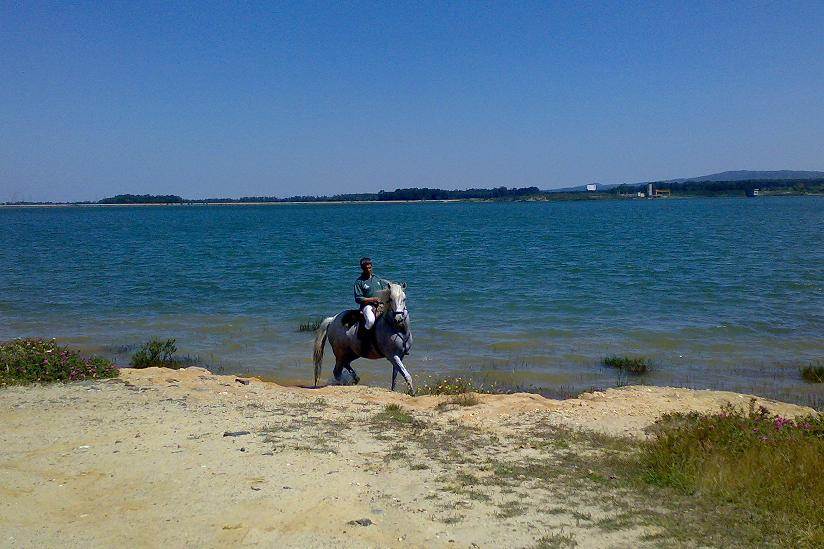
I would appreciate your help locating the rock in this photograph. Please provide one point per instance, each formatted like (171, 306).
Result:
(361, 522)
(236, 433)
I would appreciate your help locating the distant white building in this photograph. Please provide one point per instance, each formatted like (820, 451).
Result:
(592, 187)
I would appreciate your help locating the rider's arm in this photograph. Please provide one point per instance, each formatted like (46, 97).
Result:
(359, 297)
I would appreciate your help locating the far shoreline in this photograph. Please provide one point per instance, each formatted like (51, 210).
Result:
(585, 198)
(173, 204)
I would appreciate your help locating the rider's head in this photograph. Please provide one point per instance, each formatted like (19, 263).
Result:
(366, 265)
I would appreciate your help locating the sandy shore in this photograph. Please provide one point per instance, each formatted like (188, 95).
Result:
(187, 458)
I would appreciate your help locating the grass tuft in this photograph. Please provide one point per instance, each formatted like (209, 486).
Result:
(813, 372)
(36, 360)
(511, 509)
(557, 540)
(629, 364)
(310, 325)
(393, 413)
(463, 399)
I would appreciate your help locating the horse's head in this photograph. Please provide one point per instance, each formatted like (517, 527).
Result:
(395, 299)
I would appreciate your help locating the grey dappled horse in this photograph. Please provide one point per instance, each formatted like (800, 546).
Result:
(393, 337)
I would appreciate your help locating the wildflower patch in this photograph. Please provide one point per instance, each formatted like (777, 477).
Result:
(763, 462)
(41, 361)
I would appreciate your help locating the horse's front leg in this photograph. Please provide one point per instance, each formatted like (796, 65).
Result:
(394, 375)
(397, 366)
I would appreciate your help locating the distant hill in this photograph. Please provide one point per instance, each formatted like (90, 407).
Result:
(748, 175)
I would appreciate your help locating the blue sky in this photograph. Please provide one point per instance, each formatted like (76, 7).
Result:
(231, 99)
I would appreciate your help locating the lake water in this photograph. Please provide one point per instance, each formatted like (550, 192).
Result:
(720, 293)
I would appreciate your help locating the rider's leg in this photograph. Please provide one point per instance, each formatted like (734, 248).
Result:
(369, 317)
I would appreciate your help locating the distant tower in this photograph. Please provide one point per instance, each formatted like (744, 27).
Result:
(649, 190)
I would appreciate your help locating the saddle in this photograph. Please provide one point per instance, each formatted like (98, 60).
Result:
(355, 316)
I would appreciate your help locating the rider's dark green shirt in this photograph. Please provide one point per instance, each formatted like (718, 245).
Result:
(368, 287)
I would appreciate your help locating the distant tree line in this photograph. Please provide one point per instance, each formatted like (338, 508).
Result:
(414, 193)
(711, 188)
(143, 199)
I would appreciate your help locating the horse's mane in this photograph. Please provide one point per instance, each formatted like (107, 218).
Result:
(386, 296)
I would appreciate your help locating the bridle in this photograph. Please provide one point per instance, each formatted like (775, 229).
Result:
(398, 317)
(404, 314)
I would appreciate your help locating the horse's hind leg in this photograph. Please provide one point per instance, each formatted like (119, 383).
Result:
(338, 370)
(345, 362)
(355, 377)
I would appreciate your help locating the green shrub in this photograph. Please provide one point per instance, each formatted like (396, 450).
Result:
(629, 364)
(813, 372)
(37, 360)
(158, 353)
(767, 463)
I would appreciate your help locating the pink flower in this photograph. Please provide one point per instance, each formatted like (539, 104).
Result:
(782, 421)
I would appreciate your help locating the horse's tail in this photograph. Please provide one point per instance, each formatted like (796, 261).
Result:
(320, 343)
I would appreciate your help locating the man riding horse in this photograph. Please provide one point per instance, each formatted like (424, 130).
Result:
(375, 335)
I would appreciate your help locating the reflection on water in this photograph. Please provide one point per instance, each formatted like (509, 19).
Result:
(720, 293)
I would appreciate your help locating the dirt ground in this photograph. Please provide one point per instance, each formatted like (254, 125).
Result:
(187, 458)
